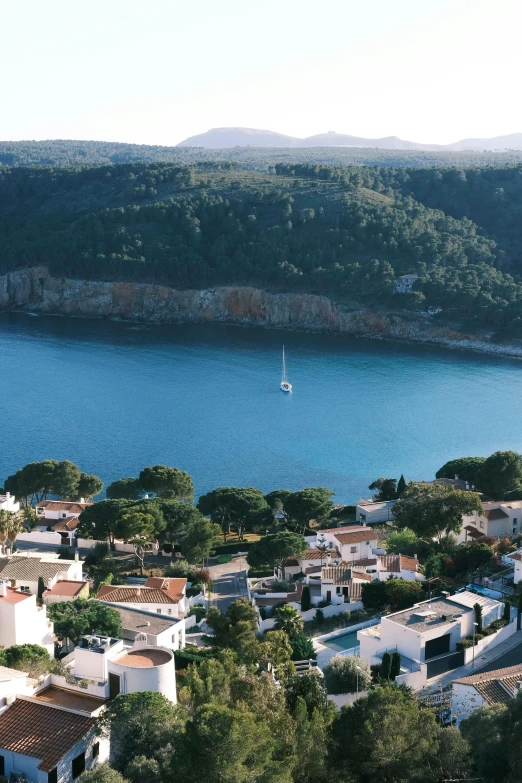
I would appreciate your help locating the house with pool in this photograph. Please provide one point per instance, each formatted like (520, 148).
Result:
(427, 634)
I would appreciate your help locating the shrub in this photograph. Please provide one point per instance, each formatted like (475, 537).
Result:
(341, 674)
(232, 549)
(464, 644)
(202, 575)
(199, 611)
(302, 647)
(181, 569)
(195, 589)
(319, 617)
(282, 586)
(192, 654)
(306, 601)
(324, 604)
(263, 613)
(65, 553)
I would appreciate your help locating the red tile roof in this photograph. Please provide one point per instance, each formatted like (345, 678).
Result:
(66, 587)
(70, 523)
(41, 732)
(14, 596)
(64, 505)
(397, 563)
(356, 537)
(142, 595)
(473, 532)
(173, 587)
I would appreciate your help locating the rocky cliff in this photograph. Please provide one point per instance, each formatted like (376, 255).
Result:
(36, 290)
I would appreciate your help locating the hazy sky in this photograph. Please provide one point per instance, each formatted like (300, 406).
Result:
(157, 71)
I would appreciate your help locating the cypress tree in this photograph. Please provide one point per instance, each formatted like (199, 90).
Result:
(401, 486)
(386, 666)
(478, 617)
(507, 611)
(395, 666)
(306, 601)
(41, 588)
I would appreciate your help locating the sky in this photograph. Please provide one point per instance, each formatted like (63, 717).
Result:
(158, 71)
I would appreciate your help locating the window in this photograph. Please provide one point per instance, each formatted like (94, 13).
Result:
(515, 521)
(353, 549)
(78, 765)
(482, 524)
(339, 591)
(173, 638)
(169, 610)
(2, 765)
(52, 776)
(64, 515)
(158, 611)
(514, 531)
(96, 750)
(363, 517)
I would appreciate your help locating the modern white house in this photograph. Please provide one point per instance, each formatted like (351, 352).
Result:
(484, 689)
(158, 595)
(404, 284)
(9, 503)
(312, 559)
(354, 542)
(372, 512)
(23, 571)
(52, 511)
(341, 585)
(12, 682)
(497, 519)
(22, 621)
(161, 631)
(427, 634)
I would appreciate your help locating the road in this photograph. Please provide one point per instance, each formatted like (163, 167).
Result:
(228, 582)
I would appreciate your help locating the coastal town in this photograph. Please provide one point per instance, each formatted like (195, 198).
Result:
(119, 616)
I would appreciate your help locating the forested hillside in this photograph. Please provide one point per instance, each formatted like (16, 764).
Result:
(344, 231)
(59, 152)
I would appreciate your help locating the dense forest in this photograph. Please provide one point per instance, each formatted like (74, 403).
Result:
(58, 152)
(344, 231)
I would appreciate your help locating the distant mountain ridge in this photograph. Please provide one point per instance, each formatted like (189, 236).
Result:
(223, 138)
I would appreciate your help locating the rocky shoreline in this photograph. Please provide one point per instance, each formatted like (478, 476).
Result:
(35, 289)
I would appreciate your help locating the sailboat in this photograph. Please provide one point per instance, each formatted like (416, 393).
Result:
(285, 385)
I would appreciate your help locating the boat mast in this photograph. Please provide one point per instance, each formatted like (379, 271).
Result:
(284, 366)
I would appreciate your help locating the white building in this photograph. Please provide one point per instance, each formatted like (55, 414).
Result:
(111, 668)
(9, 503)
(499, 686)
(429, 630)
(12, 682)
(23, 571)
(354, 542)
(158, 595)
(496, 520)
(47, 741)
(22, 621)
(161, 631)
(341, 585)
(405, 283)
(61, 516)
(301, 565)
(371, 512)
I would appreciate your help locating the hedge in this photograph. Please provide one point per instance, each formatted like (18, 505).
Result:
(232, 549)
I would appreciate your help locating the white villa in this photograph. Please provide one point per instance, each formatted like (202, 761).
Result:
(427, 634)
(405, 283)
(22, 621)
(497, 519)
(350, 543)
(23, 572)
(372, 512)
(161, 631)
(9, 503)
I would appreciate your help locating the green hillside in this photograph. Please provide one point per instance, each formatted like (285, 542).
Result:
(343, 231)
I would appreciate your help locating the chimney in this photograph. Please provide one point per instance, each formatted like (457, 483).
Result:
(415, 556)
(82, 500)
(7, 495)
(49, 584)
(76, 556)
(456, 476)
(518, 686)
(3, 589)
(138, 592)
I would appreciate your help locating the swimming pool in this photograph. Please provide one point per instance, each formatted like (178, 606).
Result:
(344, 642)
(496, 594)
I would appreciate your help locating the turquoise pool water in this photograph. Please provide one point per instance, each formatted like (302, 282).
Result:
(344, 642)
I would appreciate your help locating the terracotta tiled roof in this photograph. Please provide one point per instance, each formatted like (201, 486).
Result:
(314, 554)
(356, 537)
(14, 596)
(365, 561)
(361, 575)
(397, 563)
(41, 732)
(66, 587)
(516, 556)
(496, 687)
(63, 505)
(173, 587)
(71, 523)
(313, 569)
(495, 513)
(473, 532)
(340, 575)
(135, 595)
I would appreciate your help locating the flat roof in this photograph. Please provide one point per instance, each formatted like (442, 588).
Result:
(66, 698)
(138, 621)
(428, 614)
(143, 658)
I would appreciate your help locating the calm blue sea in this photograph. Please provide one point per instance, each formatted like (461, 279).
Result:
(114, 398)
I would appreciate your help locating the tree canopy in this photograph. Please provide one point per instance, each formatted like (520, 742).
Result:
(433, 511)
(74, 619)
(33, 482)
(273, 549)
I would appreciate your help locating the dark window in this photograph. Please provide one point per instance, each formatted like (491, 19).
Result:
(2, 765)
(114, 685)
(96, 750)
(52, 776)
(78, 765)
(328, 595)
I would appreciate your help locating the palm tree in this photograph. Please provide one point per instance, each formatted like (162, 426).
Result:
(288, 620)
(10, 526)
(323, 546)
(3, 528)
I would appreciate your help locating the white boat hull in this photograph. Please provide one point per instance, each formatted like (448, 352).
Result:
(286, 387)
